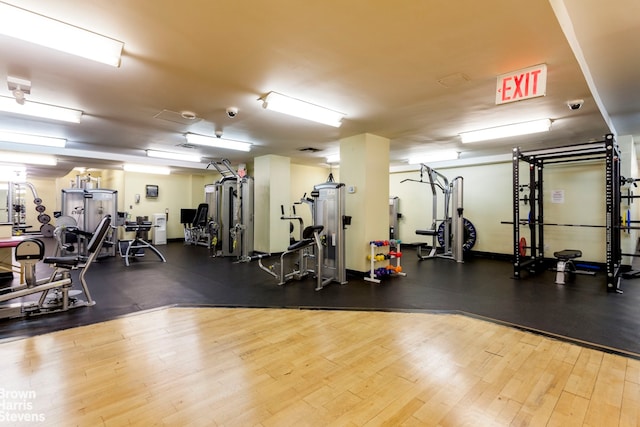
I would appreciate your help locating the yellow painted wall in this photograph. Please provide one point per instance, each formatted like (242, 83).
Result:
(175, 192)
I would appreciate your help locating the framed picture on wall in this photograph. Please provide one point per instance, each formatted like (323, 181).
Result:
(152, 191)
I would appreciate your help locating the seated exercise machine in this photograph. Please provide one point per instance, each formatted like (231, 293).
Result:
(455, 234)
(308, 247)
(197, 229)
(135, 248)
(30, 252)
(69, 238)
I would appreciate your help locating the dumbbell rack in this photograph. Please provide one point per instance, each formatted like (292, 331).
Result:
(373, 277)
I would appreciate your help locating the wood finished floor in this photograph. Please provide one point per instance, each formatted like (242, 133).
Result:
(287, 367)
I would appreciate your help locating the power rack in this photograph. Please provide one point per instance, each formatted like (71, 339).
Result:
(606, 149)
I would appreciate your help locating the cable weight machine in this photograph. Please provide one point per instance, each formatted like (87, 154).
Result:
(230, 202)
(454, 233)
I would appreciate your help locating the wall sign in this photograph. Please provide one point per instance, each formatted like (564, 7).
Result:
(522, 84)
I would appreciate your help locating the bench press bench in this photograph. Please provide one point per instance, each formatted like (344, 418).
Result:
(565, 265)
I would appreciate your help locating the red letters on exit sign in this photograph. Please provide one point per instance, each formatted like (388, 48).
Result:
(522, 84)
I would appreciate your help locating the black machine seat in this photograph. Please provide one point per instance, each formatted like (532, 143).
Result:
(427, 232)
(307, 237)
(62, 261)
(30, 249)
(201, 217)
(567, 254)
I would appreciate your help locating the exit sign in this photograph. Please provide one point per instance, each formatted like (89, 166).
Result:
(522, 84)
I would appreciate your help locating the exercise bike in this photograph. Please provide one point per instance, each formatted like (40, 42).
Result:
(55, 290)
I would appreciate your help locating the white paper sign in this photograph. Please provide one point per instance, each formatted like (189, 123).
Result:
(557, 196)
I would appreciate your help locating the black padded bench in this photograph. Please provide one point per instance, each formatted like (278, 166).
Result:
(565, 264)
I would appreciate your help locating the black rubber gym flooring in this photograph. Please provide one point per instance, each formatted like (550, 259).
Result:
(581, 310)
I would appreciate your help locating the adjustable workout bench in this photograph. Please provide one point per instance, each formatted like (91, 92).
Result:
(565, 265)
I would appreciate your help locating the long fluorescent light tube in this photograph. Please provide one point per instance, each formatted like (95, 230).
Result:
(173, 156)
(435, 156)
(212, 141)
(294, 107)
(516, 129)
(28, 159)
(43, 111)
(42, 30)
(22, 138)
(158, 170)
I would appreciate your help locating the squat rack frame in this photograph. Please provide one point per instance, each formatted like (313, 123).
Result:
(606, 149)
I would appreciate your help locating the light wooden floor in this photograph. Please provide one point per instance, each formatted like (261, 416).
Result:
(268, 367)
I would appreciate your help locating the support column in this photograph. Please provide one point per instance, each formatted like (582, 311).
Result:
(364, 169)
(628, 169)
(271, 190)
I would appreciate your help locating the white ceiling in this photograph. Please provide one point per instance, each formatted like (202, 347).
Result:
(380, 62)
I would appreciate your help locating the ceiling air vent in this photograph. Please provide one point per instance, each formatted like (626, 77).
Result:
(310, 150)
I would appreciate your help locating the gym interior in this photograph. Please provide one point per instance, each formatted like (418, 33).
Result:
(537, 240)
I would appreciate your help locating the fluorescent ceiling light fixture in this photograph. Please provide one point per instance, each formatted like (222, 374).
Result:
(435, 156)
(333, 158)
(12, 174)
(297, 108)
(158, 170)
(212, 141)
(27, 158)
(173, 156)
(39, 29)
(516, 129)
(43, 111)
(22, 138)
